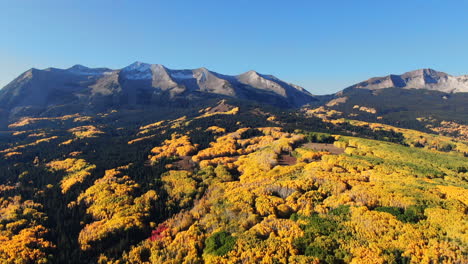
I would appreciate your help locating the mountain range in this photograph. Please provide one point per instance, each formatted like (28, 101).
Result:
(142, 84)
(428, 79)
(53, 91)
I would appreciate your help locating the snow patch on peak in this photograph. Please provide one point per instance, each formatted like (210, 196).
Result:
(182, 75)
(138, 66)
(138, 71)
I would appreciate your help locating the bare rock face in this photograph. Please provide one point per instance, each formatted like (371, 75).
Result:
(419, 79)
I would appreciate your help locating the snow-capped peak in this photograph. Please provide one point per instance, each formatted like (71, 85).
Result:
(138, 66)
(138, 71)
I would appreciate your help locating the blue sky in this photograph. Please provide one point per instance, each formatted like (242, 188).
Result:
(323, 46)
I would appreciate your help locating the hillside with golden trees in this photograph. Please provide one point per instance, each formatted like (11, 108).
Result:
(231, 186)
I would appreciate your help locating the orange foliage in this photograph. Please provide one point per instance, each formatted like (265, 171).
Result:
(216, 129)
(113, 207)
(85, 131)
(77, 171)
(37, 142)
(22, 236)
(178, 145)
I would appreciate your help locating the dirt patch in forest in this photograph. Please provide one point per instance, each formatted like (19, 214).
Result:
(286, 160)
(185, 163)
(324, 147)
(221, 107)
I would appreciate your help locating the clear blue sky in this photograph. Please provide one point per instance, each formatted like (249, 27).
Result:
(323, 46)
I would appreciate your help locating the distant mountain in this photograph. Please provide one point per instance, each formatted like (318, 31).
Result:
(403, 99)
(394, 99)
(140, 83)
(427, 79)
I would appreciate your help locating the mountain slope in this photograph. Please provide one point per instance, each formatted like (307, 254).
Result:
(416, 99)
(427, 79)
(395, 99)
(85, 89)
(228, 184)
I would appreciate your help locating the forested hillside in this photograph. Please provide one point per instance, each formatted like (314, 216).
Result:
(230, 183)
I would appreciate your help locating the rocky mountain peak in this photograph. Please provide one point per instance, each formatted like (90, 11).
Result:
(427, 78)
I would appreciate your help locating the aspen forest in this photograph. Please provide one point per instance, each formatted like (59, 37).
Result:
(236, 185)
